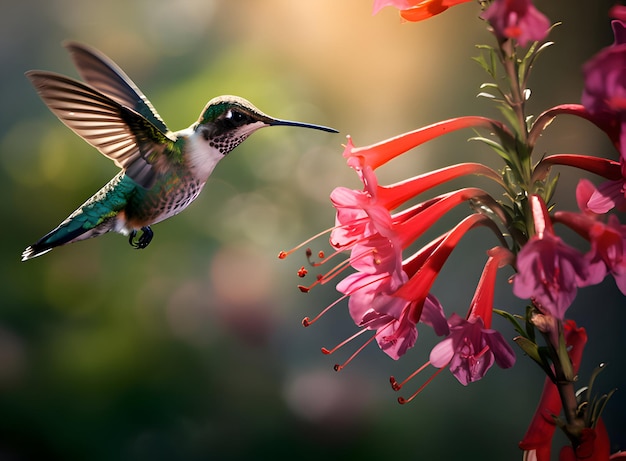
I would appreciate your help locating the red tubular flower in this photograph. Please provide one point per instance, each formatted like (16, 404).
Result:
(380, 153)
(417, 10)
(609, 195)
(517, 19)
(607, 124)
(361, 213)
(548, 271)
(418, 286)
(601, 166)
(538, 438)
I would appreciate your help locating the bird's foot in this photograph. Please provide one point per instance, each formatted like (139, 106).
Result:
(144, 239)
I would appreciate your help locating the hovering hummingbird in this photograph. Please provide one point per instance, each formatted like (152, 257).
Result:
(162, 172)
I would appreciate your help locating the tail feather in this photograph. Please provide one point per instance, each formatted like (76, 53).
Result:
(66, 232)
(102, 213)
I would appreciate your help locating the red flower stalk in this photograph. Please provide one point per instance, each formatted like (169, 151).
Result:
(594, 446)
(539, 435)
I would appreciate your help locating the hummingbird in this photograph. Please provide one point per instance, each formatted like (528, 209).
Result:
(162, 171)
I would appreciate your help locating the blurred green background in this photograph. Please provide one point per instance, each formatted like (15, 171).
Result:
(192, 349)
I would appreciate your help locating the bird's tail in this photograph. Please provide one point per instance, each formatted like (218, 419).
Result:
(72, 229)
(100, 214)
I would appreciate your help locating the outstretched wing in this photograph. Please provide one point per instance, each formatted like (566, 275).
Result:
(104, 75)
(132, 141)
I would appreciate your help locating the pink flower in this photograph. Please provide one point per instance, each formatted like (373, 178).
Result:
(396, 335)
(517, 19)
(472, 346)
(359, 213)
(604, 96)
(611, 194)
(608, 246)
(471, 349)
(548, 271)
(605, 76)
(608, 195)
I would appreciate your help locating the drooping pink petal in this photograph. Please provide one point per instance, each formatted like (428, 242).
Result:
(584, 191)
(608, 195)
(608, 252)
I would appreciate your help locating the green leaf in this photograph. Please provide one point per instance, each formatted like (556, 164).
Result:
(510, 116)
(550, 188)
(534, 352)
(511, 318)
(495, 146)
(529, 60)
(489, 63)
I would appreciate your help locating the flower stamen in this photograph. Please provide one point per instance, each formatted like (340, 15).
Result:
(283, 254)
(342, 343)
(402, 400)
(306, 321)
(397, 386)
(339, 367)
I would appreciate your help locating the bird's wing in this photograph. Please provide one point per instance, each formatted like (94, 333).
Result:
(133, 142)
(104, 75)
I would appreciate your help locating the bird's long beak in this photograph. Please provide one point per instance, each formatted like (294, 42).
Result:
(278, 122)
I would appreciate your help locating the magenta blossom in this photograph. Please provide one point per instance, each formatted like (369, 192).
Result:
(472, 346)
(608, 245)
(548, 271)
(471, 350)
(604, 96)
(608, 249)
(605, 76)
(517, 19)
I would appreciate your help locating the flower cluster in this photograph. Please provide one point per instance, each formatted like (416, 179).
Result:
(377, 227)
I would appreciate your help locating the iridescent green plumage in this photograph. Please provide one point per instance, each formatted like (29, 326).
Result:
(162, 171)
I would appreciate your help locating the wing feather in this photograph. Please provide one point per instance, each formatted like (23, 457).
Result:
(118, 132)
(103, 74)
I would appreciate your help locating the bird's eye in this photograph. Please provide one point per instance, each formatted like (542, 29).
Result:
(234, 115)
